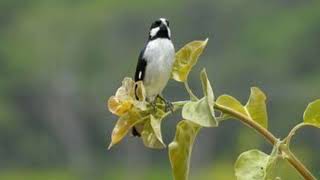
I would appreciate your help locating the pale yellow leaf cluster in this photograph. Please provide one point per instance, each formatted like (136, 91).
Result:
(129, 103)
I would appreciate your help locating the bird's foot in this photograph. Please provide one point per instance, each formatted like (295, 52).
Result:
(168, 104)
(154, 105)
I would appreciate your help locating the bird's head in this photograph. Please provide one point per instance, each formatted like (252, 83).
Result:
(160, 29)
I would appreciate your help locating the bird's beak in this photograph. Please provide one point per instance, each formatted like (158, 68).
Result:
(163, 27)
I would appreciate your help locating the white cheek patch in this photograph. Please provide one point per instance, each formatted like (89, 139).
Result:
(164, 21)
(169, 32)
(154, 31)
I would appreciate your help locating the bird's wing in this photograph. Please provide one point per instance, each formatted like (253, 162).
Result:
(139, 76)
(141, 67)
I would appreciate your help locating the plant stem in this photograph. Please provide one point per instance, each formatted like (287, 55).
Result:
(179, 104)
(293, 131)
(193, 97)
(291, 158)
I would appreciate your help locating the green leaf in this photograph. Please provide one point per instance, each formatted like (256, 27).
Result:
(312, 114)
(208, 92)
(251, 165)
(255, 108)
(207, 89)
(272, 161)
(180, 149)
(200, 113)
(151, 134)
(186, 58)
(256, 165)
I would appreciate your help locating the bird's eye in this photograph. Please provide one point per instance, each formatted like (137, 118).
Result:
(167, 23)
(158, 23)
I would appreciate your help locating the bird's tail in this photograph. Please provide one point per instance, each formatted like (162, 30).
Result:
(135, 132)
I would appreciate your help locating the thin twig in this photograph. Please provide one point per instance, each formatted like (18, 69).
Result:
(191, 94)
(293, 131)
(292, 159)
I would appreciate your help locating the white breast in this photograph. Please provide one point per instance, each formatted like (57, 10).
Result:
(159, 55)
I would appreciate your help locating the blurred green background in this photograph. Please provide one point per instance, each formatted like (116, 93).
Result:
(61, 60)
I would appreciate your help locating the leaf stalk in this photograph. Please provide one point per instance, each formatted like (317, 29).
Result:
(289, 156)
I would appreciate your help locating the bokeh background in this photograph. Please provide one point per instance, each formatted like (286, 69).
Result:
(61, 60)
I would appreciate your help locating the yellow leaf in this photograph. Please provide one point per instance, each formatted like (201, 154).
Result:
(151, 134)
(124, 124)
(156, 126)
(186, 58)
(127, 89)
(130, 104)
(180, 149)
(130, 94)
(140, 96)
(140, 91)
(123, 101)
(117, 107)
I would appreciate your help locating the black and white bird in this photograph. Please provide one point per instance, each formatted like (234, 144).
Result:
(155, 61)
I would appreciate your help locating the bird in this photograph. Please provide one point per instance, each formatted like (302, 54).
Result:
(155, 62)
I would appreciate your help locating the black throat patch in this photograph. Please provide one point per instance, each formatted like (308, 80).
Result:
(163, 31)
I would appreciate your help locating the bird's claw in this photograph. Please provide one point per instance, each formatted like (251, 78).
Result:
(168, 106)
(154, 105)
